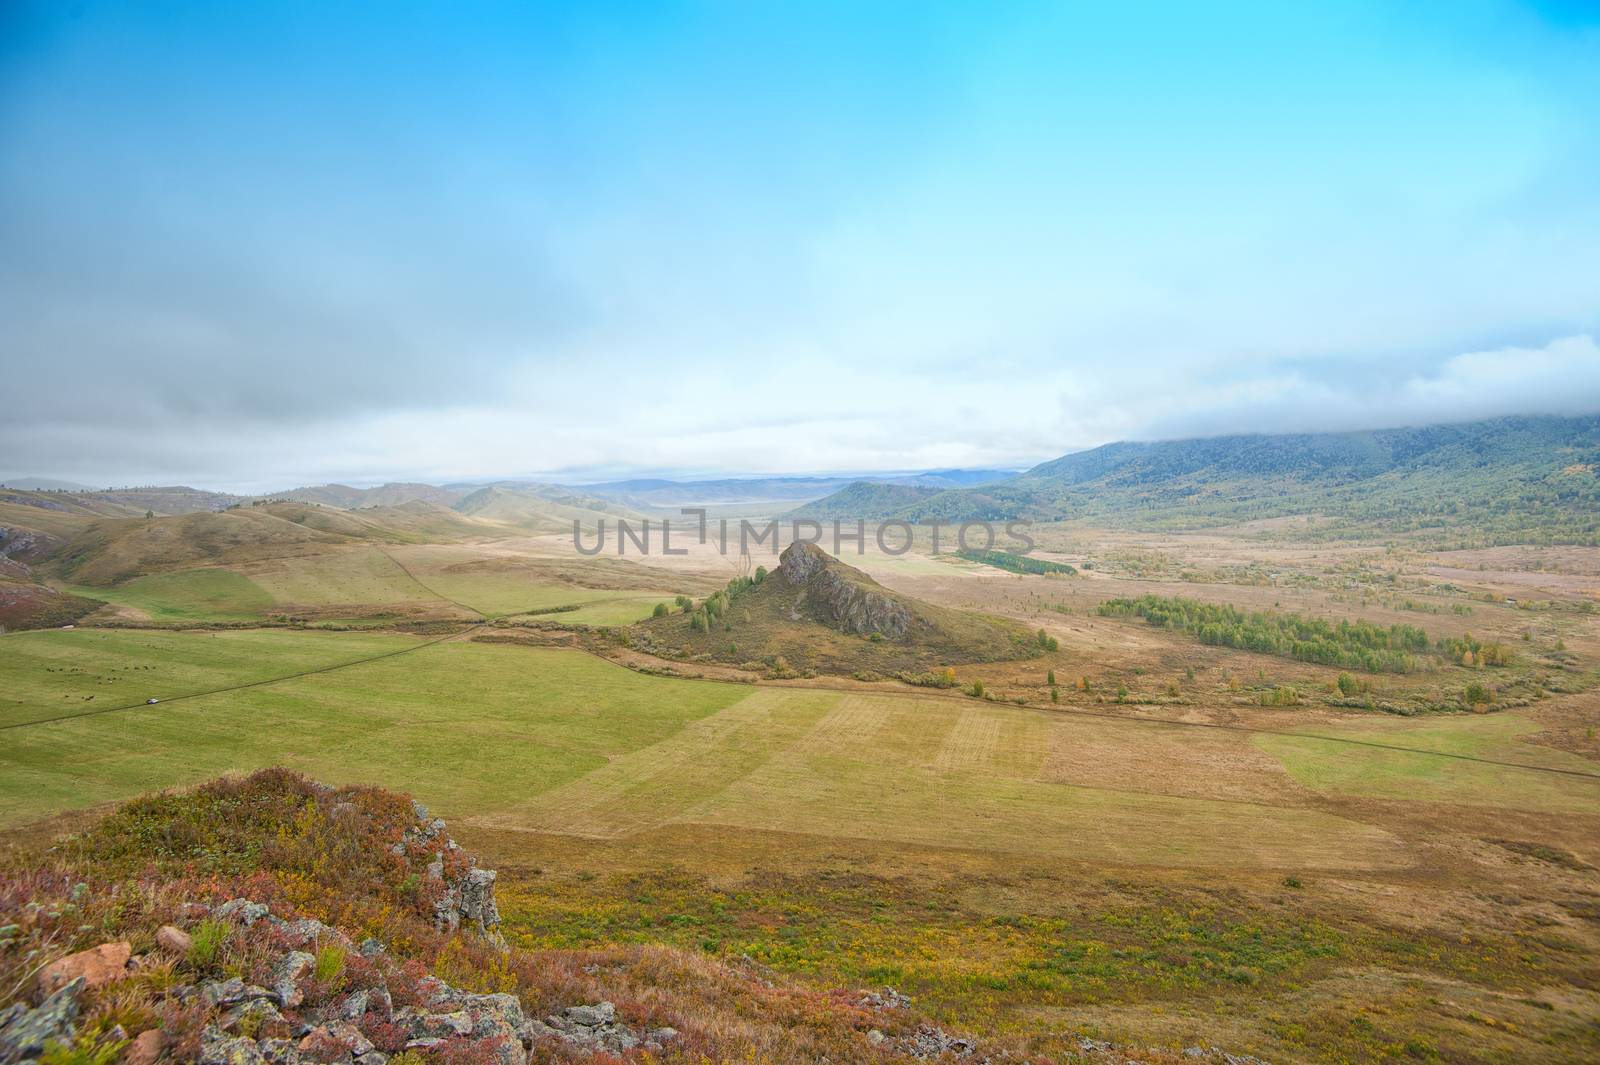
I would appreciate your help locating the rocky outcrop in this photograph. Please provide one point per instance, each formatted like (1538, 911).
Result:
(466, 893)
(597, 1027)
(274, 1025)
(843, 597)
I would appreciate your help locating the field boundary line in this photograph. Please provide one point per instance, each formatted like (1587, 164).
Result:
(1053, 711)
(437, 595)
(98, 711)
(1057, 711)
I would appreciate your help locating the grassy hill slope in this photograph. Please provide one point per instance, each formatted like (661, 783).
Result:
(109, 551)
(540, 508)
(384, 495)
(864, 498)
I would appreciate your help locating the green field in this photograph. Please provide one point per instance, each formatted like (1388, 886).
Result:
(50, 673)
(468, 727)
(351, 579)
(208, 594)
(364, 581)
(528, 739)
(1338, 769)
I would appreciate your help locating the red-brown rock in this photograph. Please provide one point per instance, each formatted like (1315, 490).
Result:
(322, 1045)
(98, 967)
(146, 1048)
(173, 939)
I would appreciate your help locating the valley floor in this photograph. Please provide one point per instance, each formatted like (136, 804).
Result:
(1155, 858)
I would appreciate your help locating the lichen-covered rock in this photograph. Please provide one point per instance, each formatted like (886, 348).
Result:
(594, 1027)
(243, 911)
(258, 1018)
(931, 1042)
(280, 1051)
(24, 1032)
(218, 1048)
(233, 991)
(292, 971)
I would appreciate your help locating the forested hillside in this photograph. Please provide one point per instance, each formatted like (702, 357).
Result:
(1524, 479)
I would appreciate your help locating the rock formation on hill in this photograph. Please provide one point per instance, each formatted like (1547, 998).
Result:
(817, 613)
(845, 598)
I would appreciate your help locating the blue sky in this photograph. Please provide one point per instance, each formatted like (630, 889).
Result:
(250, 245)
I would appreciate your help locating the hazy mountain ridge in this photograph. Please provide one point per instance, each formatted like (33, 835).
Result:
(647, 493)
(1521, 476)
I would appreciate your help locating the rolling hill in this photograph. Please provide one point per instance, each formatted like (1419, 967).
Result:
(539, 508)
(384, 495)
(1522, 479)
(114, 550)
(863, 498)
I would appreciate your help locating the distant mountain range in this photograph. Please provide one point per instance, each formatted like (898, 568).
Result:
(1525, 479)
(627, 497)
(646, 494)
(1522, 479)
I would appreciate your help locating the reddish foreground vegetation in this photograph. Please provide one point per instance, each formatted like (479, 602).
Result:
(350, 858)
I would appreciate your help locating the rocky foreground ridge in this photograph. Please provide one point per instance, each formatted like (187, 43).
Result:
(276, 921)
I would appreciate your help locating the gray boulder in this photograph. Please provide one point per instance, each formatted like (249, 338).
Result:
(24, 1032)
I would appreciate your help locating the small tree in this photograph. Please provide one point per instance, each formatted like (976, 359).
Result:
(1050, 677)
(661, 611)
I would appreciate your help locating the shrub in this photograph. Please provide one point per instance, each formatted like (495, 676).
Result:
(944, 679)
(1006, 560)
(86, 1049)
(1283, 695)
(387, 1036)
(661, 610)
(408, 1057)
(976, 691)
(330, 966)
(205, 944)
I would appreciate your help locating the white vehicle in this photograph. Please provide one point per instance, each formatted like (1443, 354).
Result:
(151, 702)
